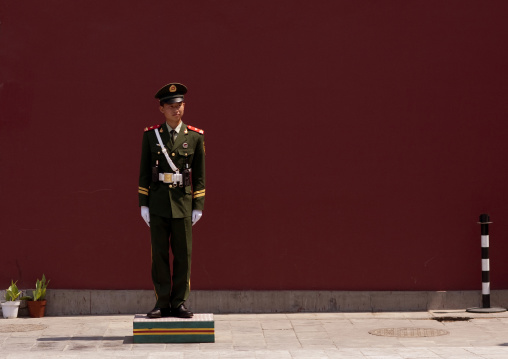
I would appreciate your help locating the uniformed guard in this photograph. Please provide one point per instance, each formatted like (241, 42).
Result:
(171, 197)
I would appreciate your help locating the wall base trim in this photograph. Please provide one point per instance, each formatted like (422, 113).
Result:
(97, 302)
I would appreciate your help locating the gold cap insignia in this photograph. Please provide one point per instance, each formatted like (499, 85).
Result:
(172, 88)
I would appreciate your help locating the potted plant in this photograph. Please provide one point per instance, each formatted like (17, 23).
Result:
(11, 305)
(37, 303)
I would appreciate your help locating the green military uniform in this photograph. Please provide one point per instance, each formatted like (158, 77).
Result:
(171, 206)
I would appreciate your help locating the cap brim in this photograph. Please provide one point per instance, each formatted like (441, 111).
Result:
(172, 99)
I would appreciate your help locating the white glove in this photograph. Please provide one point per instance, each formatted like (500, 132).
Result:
(196, 215)
(145, 213)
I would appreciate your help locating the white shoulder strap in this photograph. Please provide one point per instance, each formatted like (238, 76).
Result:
(165, 151)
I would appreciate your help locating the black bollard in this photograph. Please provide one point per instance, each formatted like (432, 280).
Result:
(484, 222)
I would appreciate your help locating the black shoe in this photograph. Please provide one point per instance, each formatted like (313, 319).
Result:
(154, 313)
(181, 312)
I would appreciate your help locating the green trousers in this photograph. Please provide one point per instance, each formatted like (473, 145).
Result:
(177, 234)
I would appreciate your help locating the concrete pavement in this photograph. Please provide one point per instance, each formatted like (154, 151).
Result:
(295, 335)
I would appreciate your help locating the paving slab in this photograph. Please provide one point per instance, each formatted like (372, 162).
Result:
(294, 335)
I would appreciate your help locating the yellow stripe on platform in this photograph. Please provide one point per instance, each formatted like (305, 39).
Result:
(204, 330)
(174, 331)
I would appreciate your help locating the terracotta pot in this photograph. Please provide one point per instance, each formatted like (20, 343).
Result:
(36, 308)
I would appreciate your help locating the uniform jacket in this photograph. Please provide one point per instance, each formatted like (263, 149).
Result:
(176, 202)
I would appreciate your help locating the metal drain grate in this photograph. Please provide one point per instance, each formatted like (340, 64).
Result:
(452, 319)
(409, 332)
(9, 328)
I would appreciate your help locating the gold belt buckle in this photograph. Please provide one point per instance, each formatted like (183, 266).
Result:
(168, 178)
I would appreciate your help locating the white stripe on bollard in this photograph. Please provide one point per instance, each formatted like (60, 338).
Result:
(486, 288)
(485, 241)
(485, 265)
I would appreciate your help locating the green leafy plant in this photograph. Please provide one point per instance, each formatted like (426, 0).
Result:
(12, 293)
(40, 290)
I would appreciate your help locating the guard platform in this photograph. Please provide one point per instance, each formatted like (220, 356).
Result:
(198, 329)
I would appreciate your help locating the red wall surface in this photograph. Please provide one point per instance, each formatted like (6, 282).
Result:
(351, 145)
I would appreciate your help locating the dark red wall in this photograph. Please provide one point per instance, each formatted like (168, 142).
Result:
(351, 145)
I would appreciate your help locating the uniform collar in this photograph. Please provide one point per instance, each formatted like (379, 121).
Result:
(177, 129)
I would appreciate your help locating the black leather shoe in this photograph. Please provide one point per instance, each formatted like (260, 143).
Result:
(181, 312)
(154, 313)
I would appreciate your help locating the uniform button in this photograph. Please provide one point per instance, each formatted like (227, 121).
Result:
(170, 186)
(173, 154)
(158, 153)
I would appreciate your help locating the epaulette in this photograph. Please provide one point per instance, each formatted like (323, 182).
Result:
(195, 129)
(152, 127)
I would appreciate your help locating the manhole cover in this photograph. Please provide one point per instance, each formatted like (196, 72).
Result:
(21, 327)
(409, 332)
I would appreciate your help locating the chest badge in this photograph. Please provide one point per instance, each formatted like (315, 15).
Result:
(185, 145)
